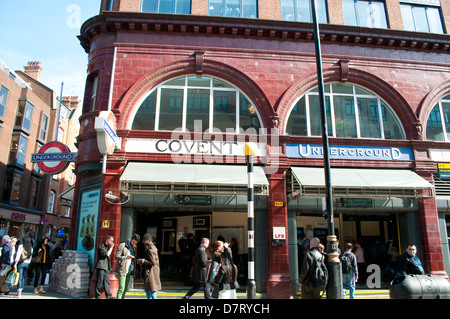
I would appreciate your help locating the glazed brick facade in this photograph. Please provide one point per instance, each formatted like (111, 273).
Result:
(273, 63)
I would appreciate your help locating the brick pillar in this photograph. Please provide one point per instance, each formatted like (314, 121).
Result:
(430, 235)
(278, 281)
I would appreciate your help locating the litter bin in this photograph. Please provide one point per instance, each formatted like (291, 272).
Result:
(419, 287)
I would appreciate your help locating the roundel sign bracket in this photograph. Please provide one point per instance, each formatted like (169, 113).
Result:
(53, 157)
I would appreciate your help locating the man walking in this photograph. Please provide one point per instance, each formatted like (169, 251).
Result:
(349, 269)
(5, 263)
(314, 274)
(200, 271)
(103, 266)
(126, 264)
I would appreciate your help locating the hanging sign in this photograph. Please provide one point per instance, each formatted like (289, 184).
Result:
(107, 139)
(53, 157)
(444, 170)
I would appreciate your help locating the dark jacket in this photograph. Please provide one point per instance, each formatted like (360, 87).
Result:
(308, 266)
(353, 261)
(103, 260)
(41, 255)
(6, 254)
(222, 281)
(200, 266)
(408, 265)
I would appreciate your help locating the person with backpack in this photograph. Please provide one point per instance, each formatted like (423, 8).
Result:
(314, 274)
(349, 269)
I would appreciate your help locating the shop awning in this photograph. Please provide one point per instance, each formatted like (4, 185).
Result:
(66, 195)
(358, 182)
(204, 179)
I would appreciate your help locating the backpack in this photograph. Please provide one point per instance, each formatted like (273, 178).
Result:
(346, 263)
(319, 277)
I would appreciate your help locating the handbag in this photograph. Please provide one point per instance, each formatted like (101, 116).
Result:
(11, 278)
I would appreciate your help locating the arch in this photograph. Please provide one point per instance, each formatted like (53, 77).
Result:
(367, 80)
(137, 91)
(429, 103)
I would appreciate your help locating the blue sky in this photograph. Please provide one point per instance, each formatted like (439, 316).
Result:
(46, 31)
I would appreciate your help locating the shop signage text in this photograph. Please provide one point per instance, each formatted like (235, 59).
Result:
(351, 152)
(190, 147)
(444, 170)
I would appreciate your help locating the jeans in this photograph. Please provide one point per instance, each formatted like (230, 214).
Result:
(349, 281)
(41, 270)
(102, 279)
(22, 269)
(124, 283)
(151, 295)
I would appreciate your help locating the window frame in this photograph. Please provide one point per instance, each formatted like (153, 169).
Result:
(357, 14)
(331, 111)
(412, 13)
(158, 6)
(296, 11)
(185, 88)
(3, 104)
(241, 8)
(446, 133)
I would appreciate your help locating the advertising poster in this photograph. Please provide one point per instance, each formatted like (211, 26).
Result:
(87, 223)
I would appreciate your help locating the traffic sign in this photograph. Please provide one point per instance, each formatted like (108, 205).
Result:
(53, 157)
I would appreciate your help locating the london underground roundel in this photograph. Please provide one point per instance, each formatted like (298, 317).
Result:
(53, 157)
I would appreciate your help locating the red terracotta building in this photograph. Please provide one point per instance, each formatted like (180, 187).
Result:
(189, 82)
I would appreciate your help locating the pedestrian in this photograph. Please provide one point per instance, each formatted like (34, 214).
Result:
(30, 273)
(150, 264)
(58, 248)
(226, 278)
(409, 263)
(234, 245)
(359, 254)
(41, 259)
(5, 261)
(187, 249)
(103, 266)
(126, 264)
(349, 269)
(314, 275)
(200, 271)
(23, 260)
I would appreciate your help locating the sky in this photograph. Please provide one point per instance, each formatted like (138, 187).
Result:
(46, 31)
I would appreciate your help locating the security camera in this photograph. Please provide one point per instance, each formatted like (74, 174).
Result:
(111, 196)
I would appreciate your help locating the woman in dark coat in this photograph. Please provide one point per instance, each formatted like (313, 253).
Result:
(41, 259)
(150, 266)
(226, 278)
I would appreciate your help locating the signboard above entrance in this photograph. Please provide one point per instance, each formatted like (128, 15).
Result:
(351, 152)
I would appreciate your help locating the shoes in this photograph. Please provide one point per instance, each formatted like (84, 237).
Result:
(42, 291)
(36, 291)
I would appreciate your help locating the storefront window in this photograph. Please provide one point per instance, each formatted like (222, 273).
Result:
(194, 103)
(438, 124)
(351, 112)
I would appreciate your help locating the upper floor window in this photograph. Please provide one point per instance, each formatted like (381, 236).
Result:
(109, 6)
(300, 10)
(421, 18)
(3, 97)
(233, 8)
(166, 6)
(438, 124)
(43, 130)
(24, 115)
(11, 190)
(192, 103)
(51, 202)
(352, 111)
(371, 14)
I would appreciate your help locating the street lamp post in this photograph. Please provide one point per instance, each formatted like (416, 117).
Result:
(334, 288)
(250, 150)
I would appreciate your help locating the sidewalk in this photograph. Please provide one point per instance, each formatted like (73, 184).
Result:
(177, 292)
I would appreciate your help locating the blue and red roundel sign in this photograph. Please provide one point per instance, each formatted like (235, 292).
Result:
(53, 157)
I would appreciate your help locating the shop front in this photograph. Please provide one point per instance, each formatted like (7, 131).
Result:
(17, 223)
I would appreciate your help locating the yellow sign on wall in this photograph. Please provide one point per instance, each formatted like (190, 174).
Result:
(279, 204)
(105, 224)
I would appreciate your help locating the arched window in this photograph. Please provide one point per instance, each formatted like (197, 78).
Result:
(196, 104)
(438, 124)
(352, 111)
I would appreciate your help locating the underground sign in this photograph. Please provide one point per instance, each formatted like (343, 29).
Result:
(53, 157)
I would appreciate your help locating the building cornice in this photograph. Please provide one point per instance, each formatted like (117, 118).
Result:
(109, 21)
